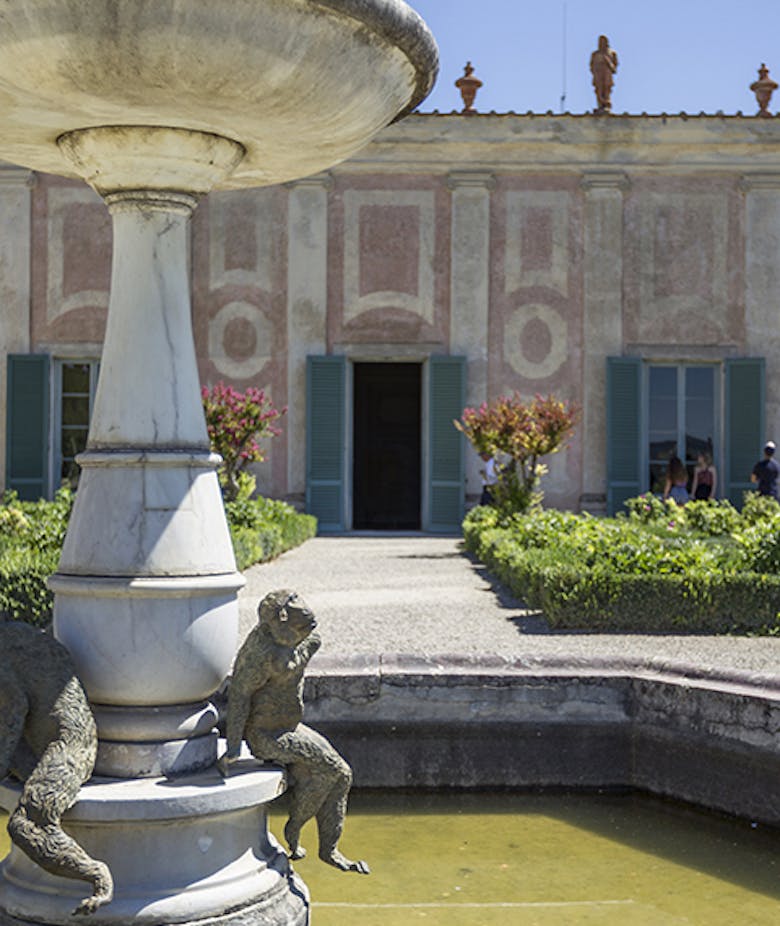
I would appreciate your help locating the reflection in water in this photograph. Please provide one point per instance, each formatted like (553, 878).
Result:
(541, 860)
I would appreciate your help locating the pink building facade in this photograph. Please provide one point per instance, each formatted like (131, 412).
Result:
(628, 264)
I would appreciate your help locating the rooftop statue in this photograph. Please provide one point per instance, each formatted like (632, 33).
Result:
(603, 65)
(48, 740)
(265, 708)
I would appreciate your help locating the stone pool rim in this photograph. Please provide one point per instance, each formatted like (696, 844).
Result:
(707, 736)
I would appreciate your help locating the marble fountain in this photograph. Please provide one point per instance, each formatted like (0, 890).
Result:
(154, 103)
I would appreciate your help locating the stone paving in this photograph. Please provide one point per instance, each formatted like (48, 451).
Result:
(419, 598)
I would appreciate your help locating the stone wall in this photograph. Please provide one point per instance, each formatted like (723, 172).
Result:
(711, 740)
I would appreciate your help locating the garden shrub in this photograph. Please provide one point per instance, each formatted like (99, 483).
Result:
(262, 528)
(662, 568)
(32, 534)
(31, 537)
(518, 433)
(24, 594)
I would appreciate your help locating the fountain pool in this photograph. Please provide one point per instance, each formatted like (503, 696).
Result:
(488, 859)
(466, 859)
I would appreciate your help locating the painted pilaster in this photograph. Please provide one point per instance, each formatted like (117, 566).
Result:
(15, 195)
(602, 322)
(762, 282)
(470, 289)
(307, 300)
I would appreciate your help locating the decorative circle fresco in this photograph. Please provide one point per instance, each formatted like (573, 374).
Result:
(536, 340)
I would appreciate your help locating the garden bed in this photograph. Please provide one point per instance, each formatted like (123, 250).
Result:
(702, 568)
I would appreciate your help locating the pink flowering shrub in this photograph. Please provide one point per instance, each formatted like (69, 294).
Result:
(236, 422)
(523, 432)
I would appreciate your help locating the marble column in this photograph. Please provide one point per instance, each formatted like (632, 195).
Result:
(146, 589)
(603, 323)
(307, 302)
(15, 196)
(470, 290)
(762, 282)
(145, 593)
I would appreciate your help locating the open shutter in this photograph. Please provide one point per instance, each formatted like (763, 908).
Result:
(744, 424)
(325, 440)
(624, 430)
(446, 472)
(27, 426)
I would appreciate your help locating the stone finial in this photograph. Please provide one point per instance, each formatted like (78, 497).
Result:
(603, 64)
(763, 89)
(468, 86)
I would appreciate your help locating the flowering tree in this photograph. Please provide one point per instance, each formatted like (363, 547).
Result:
(236, 421)
(522, 432)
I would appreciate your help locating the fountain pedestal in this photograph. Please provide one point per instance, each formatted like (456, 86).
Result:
(154, 105)
(211, 853)
(160, 571)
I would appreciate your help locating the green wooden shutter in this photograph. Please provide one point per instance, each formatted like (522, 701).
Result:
(325, 440)
(744, 424)
(27, 426)
(446, 472)
(624, 393)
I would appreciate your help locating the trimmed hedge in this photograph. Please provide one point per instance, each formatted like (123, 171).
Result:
(263, 528)
(23, 591)
(620, 575)
(32, 533)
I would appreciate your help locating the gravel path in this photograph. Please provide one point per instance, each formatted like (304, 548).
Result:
(420, 596)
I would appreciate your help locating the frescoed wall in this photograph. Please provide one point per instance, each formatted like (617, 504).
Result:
(534, 247)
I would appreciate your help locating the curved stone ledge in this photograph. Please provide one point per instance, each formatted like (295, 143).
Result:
(157, 799)
(195, 459)
(710, 738)
(146, 586)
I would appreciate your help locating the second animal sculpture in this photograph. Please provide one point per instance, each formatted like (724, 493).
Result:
(265, 708)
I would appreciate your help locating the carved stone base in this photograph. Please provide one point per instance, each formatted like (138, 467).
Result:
(180, 850)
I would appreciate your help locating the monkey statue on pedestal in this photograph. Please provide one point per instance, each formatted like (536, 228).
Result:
(48, 740)
(265, 708)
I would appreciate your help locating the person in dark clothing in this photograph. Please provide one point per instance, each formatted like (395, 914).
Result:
(765, 472)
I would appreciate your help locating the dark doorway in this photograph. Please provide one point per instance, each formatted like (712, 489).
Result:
(386, 474)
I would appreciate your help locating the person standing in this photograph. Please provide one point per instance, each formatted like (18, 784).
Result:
(676, 486)
(489, 478)
(705, 477)
(766, 471)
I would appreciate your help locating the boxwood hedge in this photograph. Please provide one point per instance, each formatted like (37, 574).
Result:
(704, 568)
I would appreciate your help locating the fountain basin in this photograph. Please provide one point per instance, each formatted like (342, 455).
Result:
(298, 84)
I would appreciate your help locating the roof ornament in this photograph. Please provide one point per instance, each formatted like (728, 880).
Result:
(468, 86)
(763, 89)
(603, 64)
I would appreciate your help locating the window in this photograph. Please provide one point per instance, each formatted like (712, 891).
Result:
(75, 382)
(657, 409)
(682, 417)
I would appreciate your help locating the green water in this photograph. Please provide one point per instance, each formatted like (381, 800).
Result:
(542, 860)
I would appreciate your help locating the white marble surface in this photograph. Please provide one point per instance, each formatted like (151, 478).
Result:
(299, 85)
(138, 642)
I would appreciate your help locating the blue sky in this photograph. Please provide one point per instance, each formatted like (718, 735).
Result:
(684, 56)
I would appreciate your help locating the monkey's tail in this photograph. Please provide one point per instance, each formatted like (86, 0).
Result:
(49, 846)
(35, 827)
